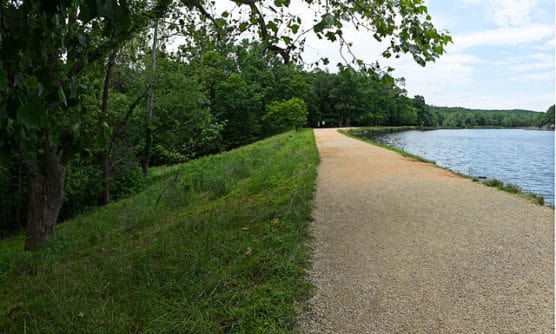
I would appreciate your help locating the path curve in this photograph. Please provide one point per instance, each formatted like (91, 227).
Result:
(402, 246)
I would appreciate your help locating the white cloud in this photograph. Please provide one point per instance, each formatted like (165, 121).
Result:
(509, 36)
(548, 66)
(509, 13)
(506, 13)
(549, 45)
(535, 77)
(516, 60)
(528, 68)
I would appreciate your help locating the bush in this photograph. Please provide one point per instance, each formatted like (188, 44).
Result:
(494, 183)
(285, 115)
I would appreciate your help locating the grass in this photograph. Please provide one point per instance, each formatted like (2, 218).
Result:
(363, 133)
(212, 246)
(512, 188)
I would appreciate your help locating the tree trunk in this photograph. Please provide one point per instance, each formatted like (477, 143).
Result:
(150, 105)
(105, 153)
(46, 177)
(340, 119)
(19, 191)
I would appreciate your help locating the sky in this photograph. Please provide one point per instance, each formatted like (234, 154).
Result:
(503, 55)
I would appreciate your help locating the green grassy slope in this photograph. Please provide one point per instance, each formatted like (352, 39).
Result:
(215, 245)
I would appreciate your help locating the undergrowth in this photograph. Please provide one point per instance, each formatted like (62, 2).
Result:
(215, 245)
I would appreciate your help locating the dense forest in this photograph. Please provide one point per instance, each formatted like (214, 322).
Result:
(457, 117)
(98, 94)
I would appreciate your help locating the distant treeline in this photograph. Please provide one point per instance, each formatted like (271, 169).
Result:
(350, 98)
(464, 118)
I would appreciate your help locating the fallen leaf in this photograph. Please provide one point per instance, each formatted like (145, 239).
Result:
(248, 251)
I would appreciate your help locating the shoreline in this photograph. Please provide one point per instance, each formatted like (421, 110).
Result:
(492, 182)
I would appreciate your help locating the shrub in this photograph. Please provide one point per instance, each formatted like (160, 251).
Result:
(285, 115)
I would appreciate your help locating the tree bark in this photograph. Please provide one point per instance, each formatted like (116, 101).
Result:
(19, 191)
(150, 105)
(46, 177)
(105, 153)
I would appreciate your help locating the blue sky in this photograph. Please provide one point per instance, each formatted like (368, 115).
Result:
(502, 56)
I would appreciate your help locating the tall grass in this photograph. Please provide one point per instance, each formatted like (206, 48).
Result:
(513, 189)
(212, 246)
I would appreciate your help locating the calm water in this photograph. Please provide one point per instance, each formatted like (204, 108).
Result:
(521, 157)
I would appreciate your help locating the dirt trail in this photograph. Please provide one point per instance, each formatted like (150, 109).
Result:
(406, 247)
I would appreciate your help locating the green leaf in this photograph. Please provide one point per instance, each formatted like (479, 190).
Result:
(31, 116)
(62, 96)
(328, 20)
(121, 19)
(220, 22)
(331, 36)
(272, 26)
(19, 80)
(82, 39)
(33, 86)
(107, 9)
(319, 27)
(286, 40)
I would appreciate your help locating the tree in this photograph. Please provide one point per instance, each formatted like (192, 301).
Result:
(44, 48)
(183, 126)
(285, 115)
(425, 116)
(550, 115)
(150, 102)
(319, 98)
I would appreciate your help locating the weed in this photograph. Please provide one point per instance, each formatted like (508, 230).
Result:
(494, 183)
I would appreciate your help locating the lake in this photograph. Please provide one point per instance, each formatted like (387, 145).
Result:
(522, 157)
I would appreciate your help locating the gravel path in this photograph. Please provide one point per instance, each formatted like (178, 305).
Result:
(402, 246)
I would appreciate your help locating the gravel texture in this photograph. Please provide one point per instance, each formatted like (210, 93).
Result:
(402, 246)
